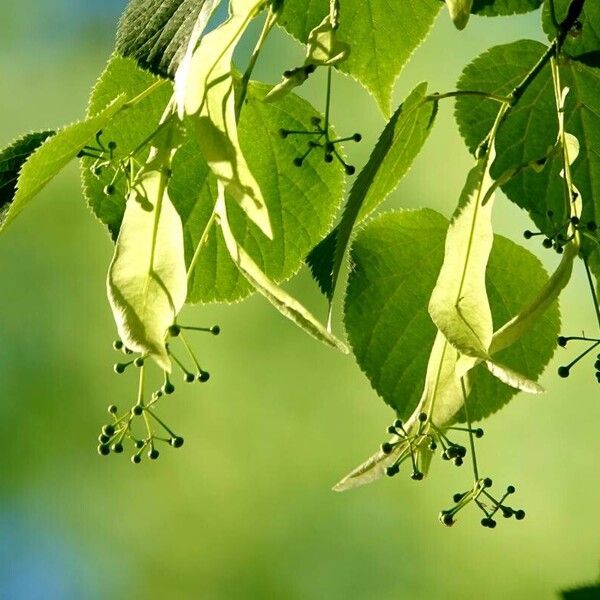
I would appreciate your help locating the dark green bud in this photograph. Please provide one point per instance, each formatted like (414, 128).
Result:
(479, 433)
(417, 476)
(350, 170)
(392, 470)
(357, 137)
(103, 439)
(422, 417)
(136, 459)
(189, 378)
(387, 448)
(118, 345)
(176, 442)
(168, 388)
(215, 330)
(139, 444)
(547, 243)
(139, 362)
(298, 161)
(487, 482)
(447, 519)
(153, 454)
(519, 515)
(108, 430)
(204, 376)
(112, 409)
(103, 450)
(562, 341)
(174, 330)
(117, 448)
(563, 372)
(137, 410)
(511, 489)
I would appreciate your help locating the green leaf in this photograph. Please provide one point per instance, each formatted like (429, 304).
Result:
(207, 95)
(586, 44)
(496, 8)
(530, 131)
(497, 71)
(382, 36)
(54, 155)
(158, 33)
(399, 144)
(302, 202)
(459, 305)
(12, 158)
(288, 306)
(397, 258)
(128, 130)
(147, 280)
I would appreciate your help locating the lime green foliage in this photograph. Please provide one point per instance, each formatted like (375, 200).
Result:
(12, 158)
(157, 33)
(495, 8)
(497, 71)
(215, 186)
(301, 212)
(529, 133)
(129, 129)
(147, 282)
(584, 43)
(302, 202)
(382, 36)
(397, 258)
(459, 306)
(400, 142)
(207, 93)
(283, 302)
(54, 155)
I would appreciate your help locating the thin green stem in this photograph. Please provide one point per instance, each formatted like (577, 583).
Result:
(190, 353)
(200, 245)
(328, 100)
(478, 93)
(592, 289)
(269, 23)
(143, 95)
(470, 428)
(334, 13)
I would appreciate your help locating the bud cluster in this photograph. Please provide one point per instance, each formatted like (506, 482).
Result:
(155, 431)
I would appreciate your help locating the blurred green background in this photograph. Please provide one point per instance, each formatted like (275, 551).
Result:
(245, 510)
